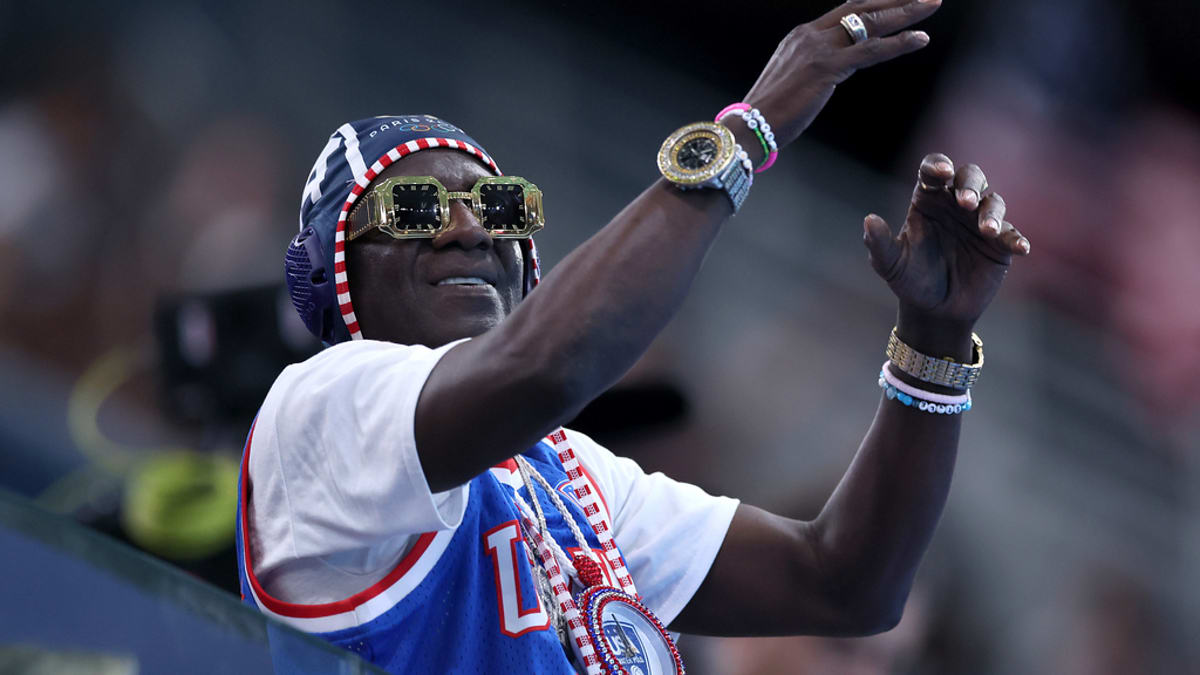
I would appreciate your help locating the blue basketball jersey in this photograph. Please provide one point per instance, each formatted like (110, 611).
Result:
(459, 601)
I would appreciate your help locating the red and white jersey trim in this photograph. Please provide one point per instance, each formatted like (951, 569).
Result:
(507, 473)
(364, 606)
(357, 610)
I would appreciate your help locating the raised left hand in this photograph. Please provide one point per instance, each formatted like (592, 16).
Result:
(950, 256)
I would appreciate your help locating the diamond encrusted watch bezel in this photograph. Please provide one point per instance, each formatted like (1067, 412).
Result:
(668, 163)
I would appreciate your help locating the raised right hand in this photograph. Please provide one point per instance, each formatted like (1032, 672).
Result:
(817, 56)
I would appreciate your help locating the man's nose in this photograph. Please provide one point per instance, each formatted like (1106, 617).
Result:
(465, 229)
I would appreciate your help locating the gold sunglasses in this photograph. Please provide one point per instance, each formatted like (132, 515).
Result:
(418, 207)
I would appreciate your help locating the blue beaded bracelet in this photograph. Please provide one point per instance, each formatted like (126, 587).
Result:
(927, 406)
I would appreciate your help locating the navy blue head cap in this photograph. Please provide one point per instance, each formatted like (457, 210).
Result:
(355, 154)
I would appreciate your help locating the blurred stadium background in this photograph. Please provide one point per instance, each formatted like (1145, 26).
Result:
(151, 160)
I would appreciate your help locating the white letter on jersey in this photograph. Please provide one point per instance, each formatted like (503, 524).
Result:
(501, 543)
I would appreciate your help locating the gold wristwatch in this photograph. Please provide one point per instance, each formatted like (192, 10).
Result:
(706, 155)
(940, 371)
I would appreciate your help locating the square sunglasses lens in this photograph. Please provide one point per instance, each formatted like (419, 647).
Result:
(503, 207)
(416, 207)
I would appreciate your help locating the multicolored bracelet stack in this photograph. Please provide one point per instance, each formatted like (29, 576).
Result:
(758, 124)
(942, 372)
(928, 401)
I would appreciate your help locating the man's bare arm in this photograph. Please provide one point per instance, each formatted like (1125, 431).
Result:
(597, 312)
(849, 571)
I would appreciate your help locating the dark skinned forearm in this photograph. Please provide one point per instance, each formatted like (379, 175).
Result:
(849, 571)
(876, 526)
(587, 323)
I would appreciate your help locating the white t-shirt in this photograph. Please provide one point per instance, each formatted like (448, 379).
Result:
(339, 494)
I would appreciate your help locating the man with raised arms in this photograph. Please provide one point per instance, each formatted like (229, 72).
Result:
(409, 493)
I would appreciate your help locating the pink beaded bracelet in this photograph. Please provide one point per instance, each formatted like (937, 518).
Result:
(758, 124)
(740, 107)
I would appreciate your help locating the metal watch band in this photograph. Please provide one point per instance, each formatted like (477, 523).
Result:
(940, 371)
(735, 182)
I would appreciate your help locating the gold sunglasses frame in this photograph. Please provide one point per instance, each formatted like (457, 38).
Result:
(380, 204)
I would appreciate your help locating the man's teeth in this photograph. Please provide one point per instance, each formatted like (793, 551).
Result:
(462, 281)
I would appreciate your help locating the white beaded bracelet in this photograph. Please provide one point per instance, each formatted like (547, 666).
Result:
(755, 120)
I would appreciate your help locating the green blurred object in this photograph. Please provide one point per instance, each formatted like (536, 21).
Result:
(181, 504)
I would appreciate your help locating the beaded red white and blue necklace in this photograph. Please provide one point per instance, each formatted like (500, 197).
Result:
(609, 630)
